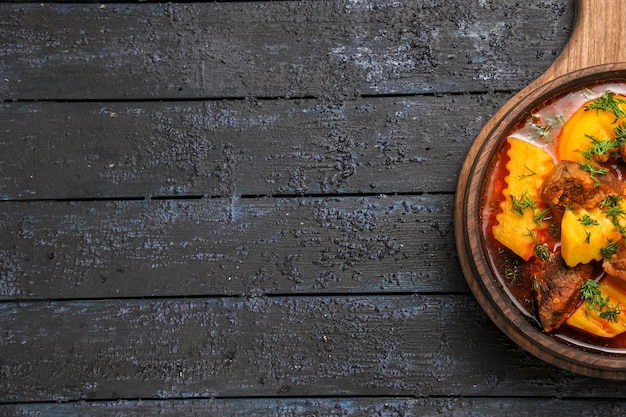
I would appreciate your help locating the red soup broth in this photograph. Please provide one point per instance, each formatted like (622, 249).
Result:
(542, 128)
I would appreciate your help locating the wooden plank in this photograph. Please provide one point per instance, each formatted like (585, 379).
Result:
(227, 247)
(348, 407)
(339, 48)
(233, 148)
(421, 345)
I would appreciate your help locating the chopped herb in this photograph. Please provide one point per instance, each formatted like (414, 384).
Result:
(590, 290)
(539, 217)
(608, 250)
(588, 238)
(611, 200)
(595, 302)
(608, 102)
(541, 251)
(587, 220)
(620, 135)
(613, 211)
(530, 174)
(611, 313)
(600, 147)
(545, 129)
(593, 171)
(537, 286)
(553, 229)
(603, 149)
(520, 204)
(560, 119)
(525, 201)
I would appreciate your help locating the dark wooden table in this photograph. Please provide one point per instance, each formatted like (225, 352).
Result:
(245, 209)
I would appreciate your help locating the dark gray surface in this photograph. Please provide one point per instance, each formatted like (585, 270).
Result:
(245, 209)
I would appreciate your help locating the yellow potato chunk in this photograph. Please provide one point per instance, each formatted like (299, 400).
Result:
(584, 233)
(527, 167)
(574, 136)
(591, 322)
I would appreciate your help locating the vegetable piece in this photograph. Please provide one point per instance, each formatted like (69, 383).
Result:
(522, 208)
(600, 314)
(589, 127)
(584, 233)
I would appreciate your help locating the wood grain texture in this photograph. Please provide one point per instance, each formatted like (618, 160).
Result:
(233, 148)
(334, 407)
(598, 38)
(339, 48)
(421, 345)
(225, 251)
(227, 246)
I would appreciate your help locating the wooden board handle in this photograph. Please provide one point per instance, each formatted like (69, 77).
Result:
(599, 37)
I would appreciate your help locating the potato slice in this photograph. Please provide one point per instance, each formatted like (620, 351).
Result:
(527, 167)
(575, 133)
(591, 322)
(584, 233)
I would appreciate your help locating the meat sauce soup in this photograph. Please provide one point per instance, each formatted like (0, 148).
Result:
(518, 276)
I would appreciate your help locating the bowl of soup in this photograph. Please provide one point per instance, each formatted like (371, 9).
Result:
(540, 221)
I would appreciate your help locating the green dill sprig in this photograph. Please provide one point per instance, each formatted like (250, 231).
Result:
(545, 130)
(541, 216)
(620, 135)
(593, 171)
(538, 286)
(608, 250)
(554, 229)
(595, 302)
(614, 213)
(611, 200)
(522, 203)
(525, 201)
(611, 206)
(604, 149)
(541, 251)
(542, 129)
(587, 220)
(608, 102)
(530, 173)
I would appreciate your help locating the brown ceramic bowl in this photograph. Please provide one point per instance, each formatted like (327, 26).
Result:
(471, 242)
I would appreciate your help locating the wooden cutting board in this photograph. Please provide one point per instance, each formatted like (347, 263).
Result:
(596, 51)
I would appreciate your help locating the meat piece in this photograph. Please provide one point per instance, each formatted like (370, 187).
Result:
(568, 184)
(616, 264)
(557, 290)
